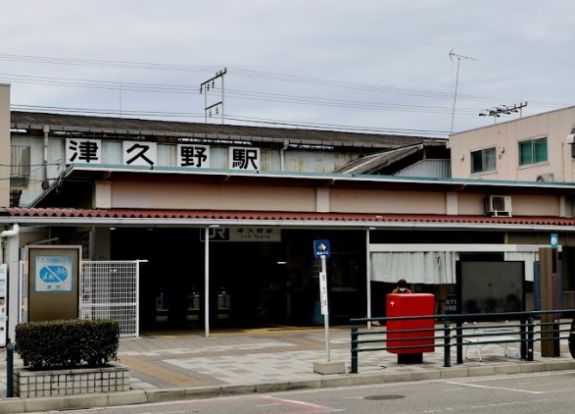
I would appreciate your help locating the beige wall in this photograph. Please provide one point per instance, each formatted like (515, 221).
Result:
(210, 194)
(387, 202)
(4, 145)
(555, 125)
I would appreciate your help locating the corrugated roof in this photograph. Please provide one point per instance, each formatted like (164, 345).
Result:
(111, 125)
(155, 214)
(374, 162)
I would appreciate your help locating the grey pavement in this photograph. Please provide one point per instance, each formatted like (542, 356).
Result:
(166, 365)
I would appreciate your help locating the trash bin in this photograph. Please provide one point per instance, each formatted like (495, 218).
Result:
(404, 337)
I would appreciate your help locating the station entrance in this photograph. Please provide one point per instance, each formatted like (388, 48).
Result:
(252, 283)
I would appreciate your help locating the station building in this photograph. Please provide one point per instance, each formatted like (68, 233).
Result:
(226, 216)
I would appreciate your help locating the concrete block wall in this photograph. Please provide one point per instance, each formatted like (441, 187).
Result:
(29, 384)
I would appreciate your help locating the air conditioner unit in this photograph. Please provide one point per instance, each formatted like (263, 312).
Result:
(545, 177)
(498, 206)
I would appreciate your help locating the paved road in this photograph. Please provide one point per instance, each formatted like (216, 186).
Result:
(525, 394)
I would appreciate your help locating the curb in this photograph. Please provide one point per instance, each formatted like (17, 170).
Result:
(85, 401)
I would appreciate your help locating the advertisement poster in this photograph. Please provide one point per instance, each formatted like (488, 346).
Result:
(53, 273)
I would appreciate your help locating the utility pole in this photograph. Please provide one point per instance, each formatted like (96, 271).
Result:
(497, 111)
(204, 89)
(459, 58)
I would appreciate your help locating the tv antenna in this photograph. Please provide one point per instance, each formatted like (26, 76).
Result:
(497, 111)
(459, 58)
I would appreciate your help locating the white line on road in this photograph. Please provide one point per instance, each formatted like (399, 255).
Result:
(463, 384)
(296, 403)
(466, 408)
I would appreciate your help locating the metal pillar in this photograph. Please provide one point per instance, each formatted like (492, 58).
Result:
(368, 276)
(207, 281)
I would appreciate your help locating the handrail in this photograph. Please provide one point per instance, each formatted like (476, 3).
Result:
(519, 324)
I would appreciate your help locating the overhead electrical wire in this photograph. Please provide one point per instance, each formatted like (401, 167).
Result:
(366, 87)
(232, 93)
(98, 111)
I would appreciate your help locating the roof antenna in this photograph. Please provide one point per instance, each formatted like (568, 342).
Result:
(459, 58)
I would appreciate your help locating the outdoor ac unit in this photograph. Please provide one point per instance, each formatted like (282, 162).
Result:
(498, 206)
(545, 177)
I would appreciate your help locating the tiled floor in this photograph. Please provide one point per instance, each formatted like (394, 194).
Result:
(187, 359)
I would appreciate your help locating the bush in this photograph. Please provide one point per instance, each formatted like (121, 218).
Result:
(66, 344)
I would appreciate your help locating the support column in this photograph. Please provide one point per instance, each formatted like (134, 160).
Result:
(5, 145)
(13, 262)
(207, 281)
(550, 295)
(368, 275)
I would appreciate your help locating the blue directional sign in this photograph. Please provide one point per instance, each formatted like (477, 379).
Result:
(554, 240)
(321, 248)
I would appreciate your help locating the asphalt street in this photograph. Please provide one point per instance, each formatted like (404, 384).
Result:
(519, 393)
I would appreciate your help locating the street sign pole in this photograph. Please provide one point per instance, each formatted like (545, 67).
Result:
(324, 304)
(322, 251)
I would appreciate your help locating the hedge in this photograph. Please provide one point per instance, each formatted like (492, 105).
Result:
(67, 344)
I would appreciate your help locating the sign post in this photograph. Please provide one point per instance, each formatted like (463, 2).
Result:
(322, 250)
(3, 303)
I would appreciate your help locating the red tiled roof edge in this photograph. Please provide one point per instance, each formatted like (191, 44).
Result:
(275, 216)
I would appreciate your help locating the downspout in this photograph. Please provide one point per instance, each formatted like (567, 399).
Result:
(5, 234)
(45, 183)
(11, 304)
(282, 159)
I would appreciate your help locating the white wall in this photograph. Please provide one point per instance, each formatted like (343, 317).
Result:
(4, 145)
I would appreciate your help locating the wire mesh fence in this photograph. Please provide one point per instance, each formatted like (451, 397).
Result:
(110, 290)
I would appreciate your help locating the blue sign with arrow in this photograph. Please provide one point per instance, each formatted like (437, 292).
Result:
(554, 241)
(321, 248)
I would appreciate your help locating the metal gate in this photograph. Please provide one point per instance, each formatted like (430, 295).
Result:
(111, 290)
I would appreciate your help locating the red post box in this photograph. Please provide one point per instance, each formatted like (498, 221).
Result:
(403, 334)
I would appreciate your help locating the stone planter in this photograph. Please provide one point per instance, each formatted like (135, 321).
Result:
(29, 383)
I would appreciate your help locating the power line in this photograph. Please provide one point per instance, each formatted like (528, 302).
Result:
(97, 111)
(106, 63)
(366, 87)
(234, 93)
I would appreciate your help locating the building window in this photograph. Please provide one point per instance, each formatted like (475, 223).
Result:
(483, 160)
(533, 151)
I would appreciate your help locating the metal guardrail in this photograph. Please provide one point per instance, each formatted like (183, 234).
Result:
(459, 330)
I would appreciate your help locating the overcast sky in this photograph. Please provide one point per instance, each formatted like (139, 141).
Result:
(368, 64)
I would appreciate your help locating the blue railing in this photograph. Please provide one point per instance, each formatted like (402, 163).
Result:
(459, 330)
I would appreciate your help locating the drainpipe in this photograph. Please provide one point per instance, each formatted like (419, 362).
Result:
(282, 160)
(5, 234)
(12, 297)
(45, 183)
(10, 233)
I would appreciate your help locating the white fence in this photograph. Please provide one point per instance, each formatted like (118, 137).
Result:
(110, 290)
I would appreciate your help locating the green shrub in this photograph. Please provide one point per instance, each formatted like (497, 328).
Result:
(70, 343)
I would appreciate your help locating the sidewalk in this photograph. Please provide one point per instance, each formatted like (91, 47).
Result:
(167, 365)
